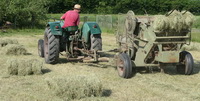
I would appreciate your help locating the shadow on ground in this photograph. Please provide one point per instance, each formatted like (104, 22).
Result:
(28, 54)
(99, 65)
(109, 54)
(171, 70)
(106, 93)
(44, 71)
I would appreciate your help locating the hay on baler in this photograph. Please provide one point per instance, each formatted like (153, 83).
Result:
(4, 42)
(24, 67)
(176, 21)
(13, 49)
(75, 87)
(160, 23)
(188, 19)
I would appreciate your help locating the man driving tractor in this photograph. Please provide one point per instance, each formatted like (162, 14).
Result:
(71, 17)
(64, 36)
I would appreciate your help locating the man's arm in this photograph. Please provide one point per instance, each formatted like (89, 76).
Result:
(63, 17)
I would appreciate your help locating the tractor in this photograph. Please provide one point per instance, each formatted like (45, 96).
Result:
(140, 45)
(78, 44)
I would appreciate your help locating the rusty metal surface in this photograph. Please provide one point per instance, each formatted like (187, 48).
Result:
(168, 57)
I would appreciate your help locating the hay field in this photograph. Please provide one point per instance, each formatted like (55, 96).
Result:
(154, 86)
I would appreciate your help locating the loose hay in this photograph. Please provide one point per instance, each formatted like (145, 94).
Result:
(75, 87)
(13, 49)
(12, 67)
(24, 67)
(4, 42)
(36, 66)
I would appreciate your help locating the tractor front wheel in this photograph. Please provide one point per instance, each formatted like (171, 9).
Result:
(124, 65)
(51, 47)
(41, 48)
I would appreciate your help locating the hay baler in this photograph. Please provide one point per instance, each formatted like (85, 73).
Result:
(141, 46)
(76, 43)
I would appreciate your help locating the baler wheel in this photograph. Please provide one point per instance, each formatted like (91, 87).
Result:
(41, 48)
(187, 67)
(51, 47)
(124, 66)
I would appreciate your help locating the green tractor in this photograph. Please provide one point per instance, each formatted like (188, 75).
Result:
(77, 43)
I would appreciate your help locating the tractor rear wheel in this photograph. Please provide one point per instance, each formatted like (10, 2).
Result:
(124, 66)
(51, 47)
(41, 48)
(187, 66)
(96, 42)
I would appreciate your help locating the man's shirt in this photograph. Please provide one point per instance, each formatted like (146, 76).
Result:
(71, 19)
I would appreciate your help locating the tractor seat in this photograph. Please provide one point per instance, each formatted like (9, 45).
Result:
(71, 28)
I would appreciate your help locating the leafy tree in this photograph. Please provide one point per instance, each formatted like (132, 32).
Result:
(23, 13)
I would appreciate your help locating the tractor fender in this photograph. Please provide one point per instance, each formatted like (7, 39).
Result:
(88, 29)
(55, 27)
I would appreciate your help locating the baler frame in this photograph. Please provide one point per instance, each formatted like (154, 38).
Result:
(146, 47)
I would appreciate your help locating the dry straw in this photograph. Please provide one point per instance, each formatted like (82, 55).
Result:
(24, 67)
(75, 87)
(13, 49)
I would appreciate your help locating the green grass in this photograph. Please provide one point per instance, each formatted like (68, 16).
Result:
(197, 22)
(11, 32)
(195, 37)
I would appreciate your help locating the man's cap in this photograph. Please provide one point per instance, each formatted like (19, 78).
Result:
(77, 6)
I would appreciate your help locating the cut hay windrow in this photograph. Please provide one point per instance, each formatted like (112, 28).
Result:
(24, 67)
(13, 49)
(36, 66)
(12, 66)
(160, 23)
(75, 87)
(4, 42)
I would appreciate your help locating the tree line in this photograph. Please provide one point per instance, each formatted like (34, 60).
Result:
(122, 6)
(31, 12)
(23, 13)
